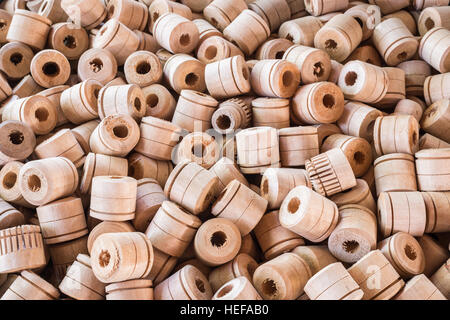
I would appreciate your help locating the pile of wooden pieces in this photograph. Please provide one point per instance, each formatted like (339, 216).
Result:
(225, 149)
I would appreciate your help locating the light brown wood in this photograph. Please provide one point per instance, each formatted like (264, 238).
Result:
(6, 18)
(436, 88)
(139, 289)
(431, 17)
(149, 198)
(239, 288)
(50, 68)
(273, 49)
(435, 117)
(422, 4)
(159, 102)
(5, 89)
(368, 16)
(140, 167)
(10, 216)
(10, 189)
(146, 41)
(270, 112)
(220, 13)
(437, 211)
(409, 107)
(301, 30)
(441, 279)
(434, 48)
(358, 119)
(15, 60)
(133, 14)
(123, 99)
(163, 265)
(398, 165)
(435, 254)
(325, 130)
(317, 257)
(420, 288)
(143, 68)
(431, 168)
(416, 72)
(26, 87)
(29, 286)
(408, 19)
(29, 28)
(226, 171)
(358, 195)
(97, 64)
(68, 39)
(396, 88)
(216, 48)
(335, 71)
(83, 133)
(428, 141)
(182, 71)
(297, 144)
(366, 53)
(321, 7)
(107, 227)
(54, 94)
(89, 13)
(17, 141)
(198, 147)
(157, 8)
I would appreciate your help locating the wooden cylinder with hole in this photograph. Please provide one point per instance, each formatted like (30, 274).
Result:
(97, 64)
(273, 49)
(404, 253)
(441, 279)
(420, 288)
(133, 14)
(416, 72)
(42, 181)
(158, 138)
(198, 147)
(436, 88)
(29, 286)
(394, 41)
(29, 28)
(139, 289)
(191, 186)
(282, 278)
(220, 13)
(330, 172)
(274, 13)
(434, 48)
(172, 229)
(358, 195)
(15, 60)
(28, 251)
(317, 257)
(367, 16)
(125, 99)
(437, 208)
(358, 120)
(117, 257)
(113, 198)
(52, 10)
(163, 266)
(149, 198)
(17, 141)
(10, 216)
(321, 7)
(376, 277)
(50, 68)
(299, 212)
(115, 135)
(339, 37)
(89, 14)
(396, 88)
(25, 88)
(206, 31)
(140, 167)
(182, 71)
(333, 283)
(160, 7)
(297, 144)
(335, 71)
(396, 134)
(239, 288)
(143, 68)
(321, 102)
(159, 102)
(217, 241)
(231, 115)
(10, 191)
(226, 171)
(54, 94)
(188, 283)
(395, 172)
(83, 133)
(435, 118)
(217, 48)
(300, 31)
(432, 17)
(68, 39)
(270, 112)
(325, 130)
(428, 141)
(435, 254)
(355, 234)
(107, 227)
(409, 107)
(432, 168)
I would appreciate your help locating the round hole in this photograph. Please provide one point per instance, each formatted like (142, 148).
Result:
(96, 65)
(218, 239)
(9, 180)
(350, 78)
(185, 39)
(429, 23)
(137, 104)
(359, 157)
(70, 42)
(318, 69)
(152, 100)
(50, 69)
(288, 78)
(211, 52)
(330, 44)
(223, 122)
(16, 137)
(350, 246)
(269, 287)
(41, 114)
(120, 131)
(402, 56)
(96, 92)
(191, 79)
(104, 258)
(410, 252)
(328, 101)
(143, 67)
(200, 285)
(293, 205)
(155, 16)
(289, 37)
(16, 58)
(198, 150)
(265, 187)
(279, 55)
(34, 183)
(225, 290)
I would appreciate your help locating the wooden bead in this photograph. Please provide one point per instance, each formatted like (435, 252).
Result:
(215, 49)
(441, 279)
(282, 278)
(270, 112)
(172, 229)
(321, 102)
(187, 283)
(333, 283)
(396, 134)
(321, 7)
(257, 149)
(227, 78)
(376, 276)
(398, 165)
(239, 288)
(107, 227)
(434, 48)
(217, 241)
(139, 289)
(160, 7)
(198, 147)
(435, 255)
(420, 288)
(191, 186)
(226, 171)
(163, 265)
(140, 167)
(396, 88)
(50, 68)
(15, 60)
(427, 141)
(330, 172)
(355, 234)
(409, 107)
(297, 144)
(17, 141)
(435, 88)
(29, 28)
(83, 133)
(116, 135)
(299, 212)
(435, 118)
(314, 64)
(416, 72)
(159, 102)
(206, 31)
(149, 198)
(300, 31)
(339, 37)
(274, 13)
(220, 13)
(182, 71)
(125, 99)
(113, 198)
(117, 257)
(273, 49)
(25, 88)
(422, 4)
(117, 38)
(404, 253)
(273, 238)
(68, 39)
(42, 181)
(387, 6)
(317, 257)
(368, 16)
(231, 115)
(29, 286)
(248, 31)
(143, 68)
(363, 82)
(432, 17)
(22, 249)
(89, 14)
(10, 191)
(133, 14)
(97, 64)
(432, 169)
(359, 195)
(80, 282)
(437, 211)
(277, 182)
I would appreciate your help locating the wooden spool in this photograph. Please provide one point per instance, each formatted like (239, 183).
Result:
(297, 144)
(239, 288)
(257, 149)
(89, 14)
(333, 283)
(25, 88)
(317, 257)
(435, 254)
(29, 28)
(10, 191)
(139, 289)
(157, 8)
(330, 172)
(216, 48)
(118, 39)
(408, 19)
(15, 60)
(270, 112)
(396, 88)
(17, 141)
(52, 10)
(376, 277)
(409, 107)
(80, 282)
(206, 31)
(143, 68)
(29, 286)
(83, 133)
(231, 115)
(28, 253)
(432, 17)
(226, 171)
(194, 111)
(149, 198)
(220, 13)
(274, 13)
(441, 279)
(54, 94)
(113, 198)
(64, 254)
(335, 71)
(422, 4)
(314, 64)
(367, 16)
(50, 68)
(404, 253)
(420, 288)
(163, 266)
(366, 54)
(299, 212)
(282, 278)
(191, 186)
(396, 134)
(68, 39)
(394, 41)
(427, 141)
(359, 195)
(133, 14)
(355, 234)
(321, 7)
(300, 31)
(182, 71)
(159, 102)
(273, 238)
(125, 99)
(146, 41)
(140, 167)
(117, 257)
(363, 82)
(115, 135)
(107, 227)
(217, 241)
(436, 88)
(321, 102)
(198, 147)
(42, 181)
(10, 216)
(188, 283)
(339, 37)
(433, 170)
(434, 49)
(97, 64)
(395, 172)
(437, 211)
(435, 117)
(172, 229)
(273, 49)
(416, 72)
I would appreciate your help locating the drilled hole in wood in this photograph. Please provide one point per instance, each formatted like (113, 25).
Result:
(429, 23)
(3, 24)
(155, 16)
(359, 21)
(198, 150)
(137, 104)
(318, 69)
(328, 101)
(120, 131)
(152, 100)
(211, 52)
(350, 246)
(218, 239)
(50, 69)
(70, 42)
(191, 79)
(279, 55)
(34, 183)
(288, 78)
(402, 56)
(9, 180)
(104, 258)
(96, 65)
(293, 205)
(269, 287)
(410, 252)
(359, 157)
(143, 67)
(289, 37)
(350, 78)
(330, 44)
(223, 122)
(16, 58)
(41, 114)
(185, 39)
(265, 187)
(225, 290)
(16, 137)
(200, 285)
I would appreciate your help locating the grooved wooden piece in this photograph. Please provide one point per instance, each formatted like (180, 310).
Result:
(107, 227)
(441, 279)
(123, 99)
(297, 144)
(435, 254)
(270, 112)
(17, 141)
(416, 72)
(198, 147)
(433, 17)
(133, 14)
(157, 8)
(182, 71)
(97, 64)
(358, 195)
(139, 289)
(316, 257)
(226, 171)
(149, 199)
(432, 169)
(220, 13)
(420, 288)
(300, 31)
(398, 165)
(10, 189)
(89, 13)
(239, 288)
(29, 286)
(29, 28)
(434, 48)
(140, 167)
